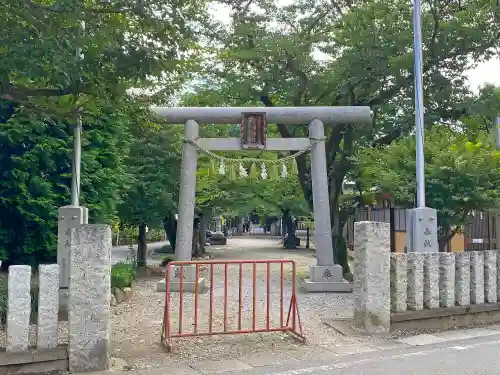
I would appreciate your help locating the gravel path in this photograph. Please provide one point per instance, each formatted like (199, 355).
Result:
(137, 324)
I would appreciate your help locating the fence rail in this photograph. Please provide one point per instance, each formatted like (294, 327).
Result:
(177, 272)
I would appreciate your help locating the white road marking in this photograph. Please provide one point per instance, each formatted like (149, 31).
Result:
(342, 365)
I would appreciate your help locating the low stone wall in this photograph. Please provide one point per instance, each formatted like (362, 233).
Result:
(420, 288)
(34, 361)
(432, 280)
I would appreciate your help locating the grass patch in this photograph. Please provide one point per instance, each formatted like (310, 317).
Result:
(166, 260)
(122, 275)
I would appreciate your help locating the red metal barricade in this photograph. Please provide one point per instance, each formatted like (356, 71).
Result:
(292, 325)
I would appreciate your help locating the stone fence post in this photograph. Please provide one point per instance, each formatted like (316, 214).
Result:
(372, 303)
(89, 298)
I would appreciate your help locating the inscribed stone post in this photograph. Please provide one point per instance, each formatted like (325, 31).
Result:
(446, 279)
(431, 280)
(398, 282)
(48, 306)
(476, 277)
(415, 281)
(422, 233)
(372, 303)
(490, 276)
(89, 298)
(19, 308)
(69, 217)
(462, 278)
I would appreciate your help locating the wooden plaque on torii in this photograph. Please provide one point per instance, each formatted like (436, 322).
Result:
(253, 130)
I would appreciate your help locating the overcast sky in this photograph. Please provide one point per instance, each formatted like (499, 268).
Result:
(488, 72)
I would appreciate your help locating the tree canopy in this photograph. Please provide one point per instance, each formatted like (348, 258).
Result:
(312, 52)
(461, 176)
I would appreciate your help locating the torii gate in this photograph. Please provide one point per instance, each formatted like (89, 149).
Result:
(325, 276)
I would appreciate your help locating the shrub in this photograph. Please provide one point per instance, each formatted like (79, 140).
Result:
(122, 275)
(166, 260)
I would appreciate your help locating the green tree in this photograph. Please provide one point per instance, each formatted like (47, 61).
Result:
(314, 52)
(481, 111)
(66, 60)
(154, 163)
(461, 176)
(35, 162)
(130, 43)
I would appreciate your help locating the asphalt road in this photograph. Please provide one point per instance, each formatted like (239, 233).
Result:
(121, 253)
(466, 357)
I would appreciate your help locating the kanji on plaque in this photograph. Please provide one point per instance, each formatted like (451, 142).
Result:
(427, 231)
(427, 243)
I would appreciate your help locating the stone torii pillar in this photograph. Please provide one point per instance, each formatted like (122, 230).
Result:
(325, 275)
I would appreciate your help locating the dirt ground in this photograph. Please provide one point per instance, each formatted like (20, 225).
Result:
(137, 324)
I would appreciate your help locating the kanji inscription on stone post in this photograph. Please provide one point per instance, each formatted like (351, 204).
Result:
(253, 131)
(427, 241)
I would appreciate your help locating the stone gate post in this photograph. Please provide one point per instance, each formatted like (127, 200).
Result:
(325, 276)
(186, 209)
(372, 300)
(89, 298)
(187, 201)
(69, 217)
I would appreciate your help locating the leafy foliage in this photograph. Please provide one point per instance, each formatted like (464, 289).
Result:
(123, 44)
(122, 275)
(35, 162)
(154, 161)
(60, 60)
(461, 176)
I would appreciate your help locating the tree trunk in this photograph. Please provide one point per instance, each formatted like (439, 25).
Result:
(445, 237)
(170, 226)
(142, 246)
(201, 233)
(338, 241)
(196, 250)
(290, 240)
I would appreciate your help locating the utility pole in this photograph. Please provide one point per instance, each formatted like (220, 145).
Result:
(73, 215)
(422, 221)
(77, 147)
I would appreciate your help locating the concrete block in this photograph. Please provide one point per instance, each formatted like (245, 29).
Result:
(462, 278)
(415, 281)
(48, 306)
(372, 301)
(446, 279)
(431, 280)
(399, 283)
(89, 298)
(476, 277)
(19, 308)
(490, 276)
